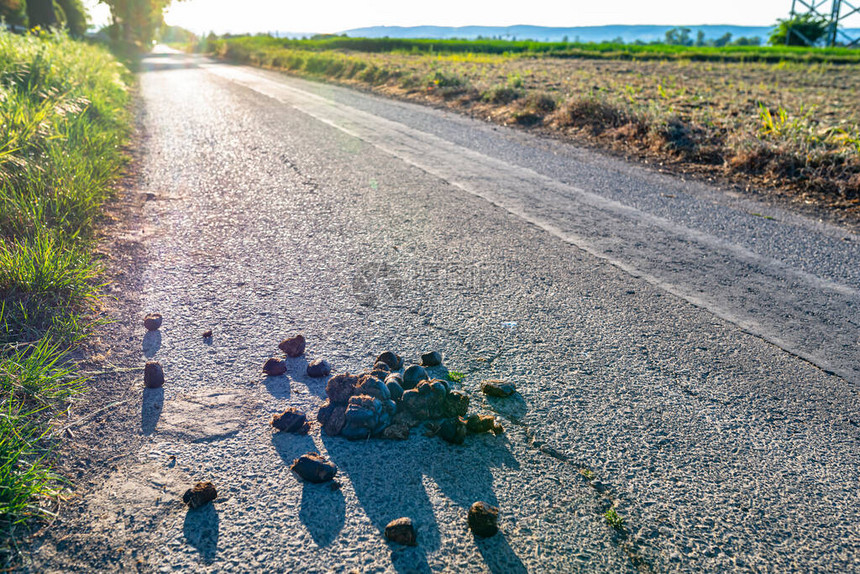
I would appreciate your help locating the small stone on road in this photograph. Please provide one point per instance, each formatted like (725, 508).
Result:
(319, 368)
(274, 367)
(496, 388)
(431, 359)
(291, 420)
(293, 346)
(153, 321)
(393, 360)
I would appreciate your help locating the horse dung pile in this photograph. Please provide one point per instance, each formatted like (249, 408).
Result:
(387, 401)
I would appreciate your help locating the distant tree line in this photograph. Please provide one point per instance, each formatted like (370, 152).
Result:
(683, 37)
(801, 30)
(68, 14)
(135, 22)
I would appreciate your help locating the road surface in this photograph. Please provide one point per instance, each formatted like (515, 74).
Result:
(684, 355)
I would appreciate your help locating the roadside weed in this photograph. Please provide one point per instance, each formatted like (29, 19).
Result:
(613, 519)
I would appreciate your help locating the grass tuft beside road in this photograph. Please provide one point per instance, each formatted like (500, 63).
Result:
(63, 122)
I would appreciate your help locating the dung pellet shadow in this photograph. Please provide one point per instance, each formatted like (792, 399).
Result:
(150, 410)
(388, 478)
(513, 407)
(201, 531)
(498, 555)
(151, 343)
(290, 446)
(277, 385)
(323, 511)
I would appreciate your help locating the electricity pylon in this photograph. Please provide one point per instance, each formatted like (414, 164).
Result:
(840, 10)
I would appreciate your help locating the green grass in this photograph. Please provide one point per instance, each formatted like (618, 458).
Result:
(456, 376)
(610, 50)
(35, 384)
(63, 123)
(44, 283)
(614, 519)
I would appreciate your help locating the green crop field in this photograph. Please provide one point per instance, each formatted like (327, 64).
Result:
(607, 50)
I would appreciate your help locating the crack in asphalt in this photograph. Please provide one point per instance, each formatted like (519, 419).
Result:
(626, 542)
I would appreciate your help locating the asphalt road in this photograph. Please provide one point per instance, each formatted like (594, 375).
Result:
(684, 355)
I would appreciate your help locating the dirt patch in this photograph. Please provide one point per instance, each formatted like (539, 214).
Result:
(206, 416)
(132, 502)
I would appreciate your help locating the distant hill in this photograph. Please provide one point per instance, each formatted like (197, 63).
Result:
(628, 34)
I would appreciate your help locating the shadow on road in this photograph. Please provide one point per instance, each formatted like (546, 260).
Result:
(150, 410)
(201, 531)
(513, 407)
(498, 555)
(278, 386)
(151, 343)
(297, 369)
(396, 478)
(323, 509)
(167, 62)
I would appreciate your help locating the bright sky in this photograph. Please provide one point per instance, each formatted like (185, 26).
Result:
(325, 16)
